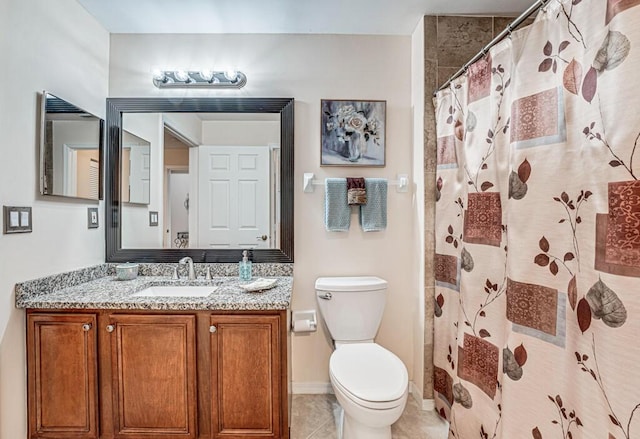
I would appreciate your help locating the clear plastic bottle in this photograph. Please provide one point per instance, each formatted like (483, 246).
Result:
(244, 267)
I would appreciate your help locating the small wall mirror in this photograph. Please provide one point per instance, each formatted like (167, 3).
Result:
(70, 150)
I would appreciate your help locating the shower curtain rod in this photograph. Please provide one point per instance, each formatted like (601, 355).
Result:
(513, 25)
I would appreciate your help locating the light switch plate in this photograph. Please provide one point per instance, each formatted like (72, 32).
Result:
(92, 218)
(17, 219)
(153, 218)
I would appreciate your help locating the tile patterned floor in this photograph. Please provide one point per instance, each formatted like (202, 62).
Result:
(316, 417)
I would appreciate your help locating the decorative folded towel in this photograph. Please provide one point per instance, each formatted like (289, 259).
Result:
(373, 215)
(356, 191)
(337, 213)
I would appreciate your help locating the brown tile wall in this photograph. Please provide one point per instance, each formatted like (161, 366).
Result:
(449, 42)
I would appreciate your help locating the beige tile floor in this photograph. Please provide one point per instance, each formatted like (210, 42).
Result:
(316, 417)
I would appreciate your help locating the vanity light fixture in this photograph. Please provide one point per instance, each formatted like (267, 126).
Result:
(204, 78)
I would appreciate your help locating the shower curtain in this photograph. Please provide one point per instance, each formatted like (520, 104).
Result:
(537, 264)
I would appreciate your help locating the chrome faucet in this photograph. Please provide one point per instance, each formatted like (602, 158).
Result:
(189, 261)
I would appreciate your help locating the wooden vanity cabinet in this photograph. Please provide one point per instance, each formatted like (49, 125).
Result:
(153, 370)
(62, 373)
(246, 377)
(160, 375)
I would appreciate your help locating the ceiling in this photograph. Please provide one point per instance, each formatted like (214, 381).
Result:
(383, 17)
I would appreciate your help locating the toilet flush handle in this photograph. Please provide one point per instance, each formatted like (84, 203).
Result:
(325, 296)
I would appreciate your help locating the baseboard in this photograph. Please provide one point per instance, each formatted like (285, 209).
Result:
(428, 405)
(311, 388)
(424, 404)
(415, 392)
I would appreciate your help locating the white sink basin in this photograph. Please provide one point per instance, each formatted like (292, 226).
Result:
(176, 291)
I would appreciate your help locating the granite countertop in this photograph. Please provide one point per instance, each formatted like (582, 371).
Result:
(97, 288)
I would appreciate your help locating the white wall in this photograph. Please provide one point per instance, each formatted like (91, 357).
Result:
(54, 46)
(417, 107)
(188, 125)
(310, 68)
(240, 133)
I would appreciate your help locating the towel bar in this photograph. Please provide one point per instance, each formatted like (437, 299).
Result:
(402, 182)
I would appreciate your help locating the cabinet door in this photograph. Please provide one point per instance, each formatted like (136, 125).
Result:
(154, 376)
(245, 376)
(62, 371)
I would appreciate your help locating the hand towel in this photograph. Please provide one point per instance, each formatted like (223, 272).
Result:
(337, 213)
(356, 191)
(373, 215)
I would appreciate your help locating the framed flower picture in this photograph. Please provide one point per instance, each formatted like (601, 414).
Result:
(352, 133)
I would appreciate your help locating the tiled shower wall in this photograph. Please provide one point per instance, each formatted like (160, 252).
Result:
(449, 42)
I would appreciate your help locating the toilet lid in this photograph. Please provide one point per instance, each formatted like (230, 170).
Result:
(353, 283)
(369, 372)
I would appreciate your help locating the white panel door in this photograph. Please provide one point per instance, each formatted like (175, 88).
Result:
(139, 174)
(233, 197)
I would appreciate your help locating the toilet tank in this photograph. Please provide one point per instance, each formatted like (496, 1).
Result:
(351, 307)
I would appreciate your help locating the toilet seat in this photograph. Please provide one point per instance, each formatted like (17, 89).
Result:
(369, 375)
(378, 405)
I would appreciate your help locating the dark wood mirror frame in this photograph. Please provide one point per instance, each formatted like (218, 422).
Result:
(117, 106)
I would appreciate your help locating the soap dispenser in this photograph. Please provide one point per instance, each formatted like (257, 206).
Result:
(245, 267)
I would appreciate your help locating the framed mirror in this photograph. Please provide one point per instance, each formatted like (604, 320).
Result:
(220, 177)
(71, 148)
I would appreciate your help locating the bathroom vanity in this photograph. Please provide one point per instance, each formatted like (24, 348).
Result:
(104, 363)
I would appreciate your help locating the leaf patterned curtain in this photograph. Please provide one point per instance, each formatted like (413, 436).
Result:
(537, 264)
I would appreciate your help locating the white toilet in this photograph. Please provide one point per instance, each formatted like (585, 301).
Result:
(371, 383)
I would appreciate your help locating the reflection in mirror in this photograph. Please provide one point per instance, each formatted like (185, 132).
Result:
(189, 221)
(70, 150)
(214, 179)
(136, 172)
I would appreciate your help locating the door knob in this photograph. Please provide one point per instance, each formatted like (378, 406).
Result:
(86, 327)
(212, 329)
(262, 238)
(110, 328)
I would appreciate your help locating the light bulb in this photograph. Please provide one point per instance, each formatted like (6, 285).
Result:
(231, 75)
(206, 74)
(158, 74)
(181, 75)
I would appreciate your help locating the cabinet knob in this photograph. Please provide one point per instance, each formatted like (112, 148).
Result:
(212, 329)
(110, 328)
(86, 327)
